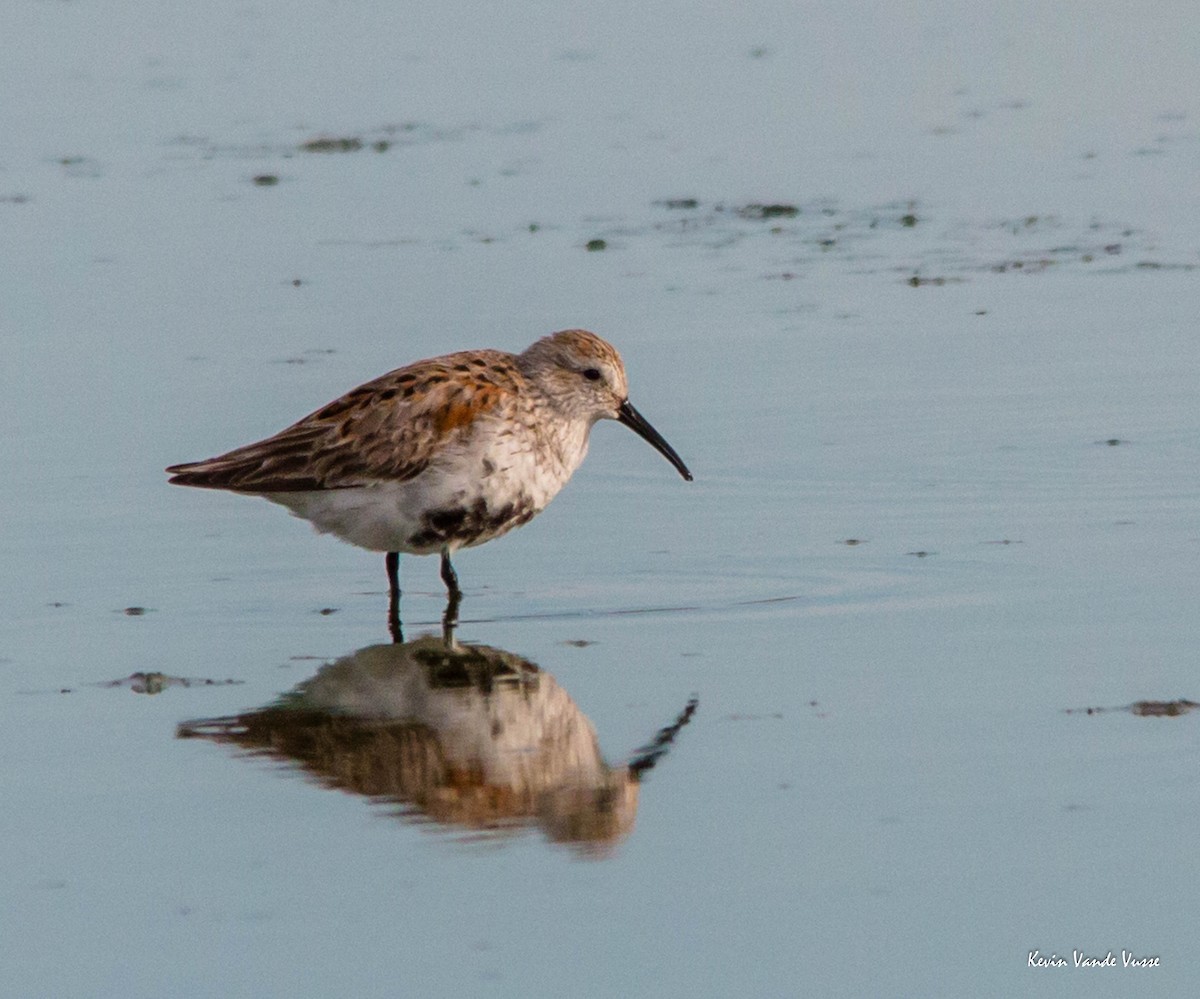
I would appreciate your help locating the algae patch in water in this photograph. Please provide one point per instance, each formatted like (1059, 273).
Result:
(775, 211)
(155, 683)
(327, 144)
(1143, 709)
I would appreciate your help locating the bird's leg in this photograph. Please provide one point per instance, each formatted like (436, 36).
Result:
(392, 561)
(450, 577)
(453, 594)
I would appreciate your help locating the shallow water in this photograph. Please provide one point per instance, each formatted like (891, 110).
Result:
(912, 292)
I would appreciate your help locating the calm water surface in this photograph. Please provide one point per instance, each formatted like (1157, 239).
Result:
(913, 293)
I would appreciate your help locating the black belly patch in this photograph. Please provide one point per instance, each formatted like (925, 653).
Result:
(472, 523)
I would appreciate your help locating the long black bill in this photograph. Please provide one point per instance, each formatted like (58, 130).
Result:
(637, 423)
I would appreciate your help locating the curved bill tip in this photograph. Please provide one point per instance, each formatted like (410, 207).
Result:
(639, 425)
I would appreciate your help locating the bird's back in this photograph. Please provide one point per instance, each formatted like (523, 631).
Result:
(386, 430)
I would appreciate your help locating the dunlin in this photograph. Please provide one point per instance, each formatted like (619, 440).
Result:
(443, 454)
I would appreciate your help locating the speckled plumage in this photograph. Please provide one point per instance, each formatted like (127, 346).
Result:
(443, 454)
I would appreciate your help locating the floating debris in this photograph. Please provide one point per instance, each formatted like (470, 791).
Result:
(156, 683)
(775, 211)
(917, 281)
(327, 144)
(1029, 244)
(1027, 266)
(1143, 709)
(1162, 709)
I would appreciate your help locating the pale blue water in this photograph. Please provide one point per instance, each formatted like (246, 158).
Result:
(880, 792)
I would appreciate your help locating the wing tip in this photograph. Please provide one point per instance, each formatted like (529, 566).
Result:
(180, 475)
(201, 473)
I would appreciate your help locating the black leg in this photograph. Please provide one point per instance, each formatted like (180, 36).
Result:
(392, 561)
(453, 597)
(450, 577)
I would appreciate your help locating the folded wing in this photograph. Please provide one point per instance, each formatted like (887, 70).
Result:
(388, 429)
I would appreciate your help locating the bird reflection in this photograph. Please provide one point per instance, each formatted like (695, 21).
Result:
(474, 739)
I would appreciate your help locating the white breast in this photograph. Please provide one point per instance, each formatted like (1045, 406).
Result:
(480, 488)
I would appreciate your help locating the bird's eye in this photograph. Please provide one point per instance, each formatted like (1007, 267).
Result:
(592, 374)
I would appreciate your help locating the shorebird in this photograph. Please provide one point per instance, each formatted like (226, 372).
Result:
(442, 454)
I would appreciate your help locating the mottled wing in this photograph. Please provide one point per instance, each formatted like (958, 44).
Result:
(389, 429)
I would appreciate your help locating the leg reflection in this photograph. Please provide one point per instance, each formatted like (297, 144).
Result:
(392, 562)
(450, 619)
(450, 577)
